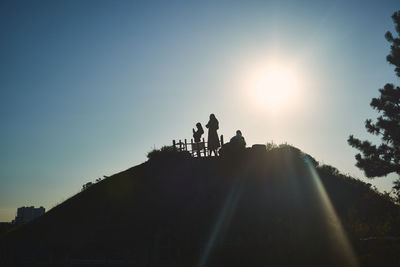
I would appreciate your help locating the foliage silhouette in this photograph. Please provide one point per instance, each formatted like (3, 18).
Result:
(162, 153)
(378, 161)
(87, 185)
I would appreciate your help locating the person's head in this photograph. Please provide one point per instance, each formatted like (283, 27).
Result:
(212, 116)
(198, 125)
(238, 133)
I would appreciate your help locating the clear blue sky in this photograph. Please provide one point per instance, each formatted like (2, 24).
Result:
(87, 88)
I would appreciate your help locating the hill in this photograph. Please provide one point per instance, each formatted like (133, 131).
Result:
(262, 208)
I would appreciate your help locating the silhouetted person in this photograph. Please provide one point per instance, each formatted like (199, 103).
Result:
(238, 140)
(197, 137)
(235, 147)
(213, 140)
(197, 134)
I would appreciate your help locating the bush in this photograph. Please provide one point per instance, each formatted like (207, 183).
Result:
(163, 153)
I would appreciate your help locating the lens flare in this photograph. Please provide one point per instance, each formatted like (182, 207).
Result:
(222, 221)
(335, 231)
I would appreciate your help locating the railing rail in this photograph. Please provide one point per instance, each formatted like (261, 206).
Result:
(196, 149)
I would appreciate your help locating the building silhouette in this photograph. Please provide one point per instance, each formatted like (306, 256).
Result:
(26, 214)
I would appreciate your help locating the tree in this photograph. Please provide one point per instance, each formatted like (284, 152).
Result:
(378, 161)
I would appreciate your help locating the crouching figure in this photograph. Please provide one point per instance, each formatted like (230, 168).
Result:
(235, 147)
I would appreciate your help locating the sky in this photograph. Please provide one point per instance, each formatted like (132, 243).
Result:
(87, 88)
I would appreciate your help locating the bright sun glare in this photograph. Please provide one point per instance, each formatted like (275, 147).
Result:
(274, 87)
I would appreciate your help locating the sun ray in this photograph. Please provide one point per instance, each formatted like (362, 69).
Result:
(336, 233)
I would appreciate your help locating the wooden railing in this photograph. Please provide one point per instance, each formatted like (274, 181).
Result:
(196, 149)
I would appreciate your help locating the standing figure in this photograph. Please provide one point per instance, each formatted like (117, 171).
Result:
(197, 138)
(213, 140)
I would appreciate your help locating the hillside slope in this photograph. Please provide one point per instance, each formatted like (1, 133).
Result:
(272, 208)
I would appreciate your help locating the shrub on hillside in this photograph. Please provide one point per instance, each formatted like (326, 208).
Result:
(289, 149)
(271, 145)
(163, 153)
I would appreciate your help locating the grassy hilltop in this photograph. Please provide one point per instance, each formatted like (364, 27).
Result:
(263, 208)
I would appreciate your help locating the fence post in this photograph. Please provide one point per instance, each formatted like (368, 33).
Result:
(191, 146)
(198, 148)
(185, 145)
(204, 147)
(180, 145)
(174, 144)
(222, 140)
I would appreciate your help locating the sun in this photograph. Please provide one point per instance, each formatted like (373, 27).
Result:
(274, 87)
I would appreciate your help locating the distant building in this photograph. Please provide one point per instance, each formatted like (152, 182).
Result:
(26, 214)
